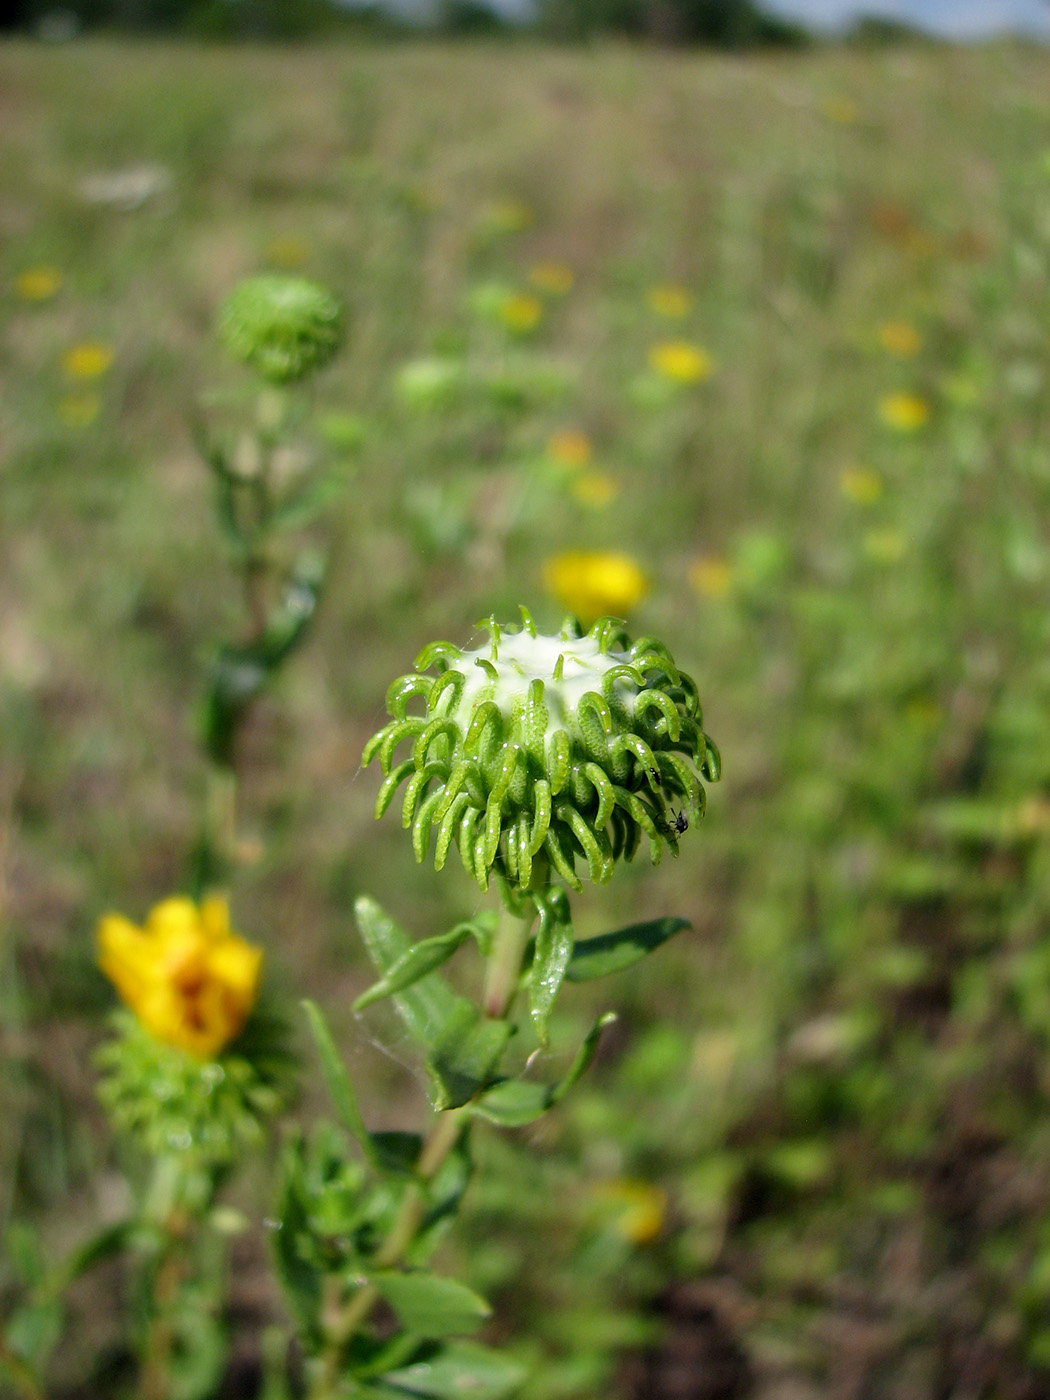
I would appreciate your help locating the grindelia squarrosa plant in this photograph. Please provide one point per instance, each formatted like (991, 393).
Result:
(544, 760)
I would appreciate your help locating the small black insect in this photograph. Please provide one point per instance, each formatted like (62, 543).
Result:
(655, 776)
(679, 824)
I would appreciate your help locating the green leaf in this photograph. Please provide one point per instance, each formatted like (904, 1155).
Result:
(301, 1282)
(613, 952)
(430, 1305)
(339, 1086)
(420, 959)
(114, 1239)
(427, 1006)
(554, 941)
(516, 1102)
(460, 1370)
(466, 1055)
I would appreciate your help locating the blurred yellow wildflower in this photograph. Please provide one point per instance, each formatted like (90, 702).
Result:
(288, 253)
(593, 584)
(188, 978)
(79, 410)
(552, 277)
(668, 300)
(520, 312)
(636, 1209)
(87, 361)
(841, 110)
(710, 576)
(898, 338)
(38, 283)
(905, 413)
(885, 546)
(860, 485)
(681, 361)
(594, 489)
(570, 447)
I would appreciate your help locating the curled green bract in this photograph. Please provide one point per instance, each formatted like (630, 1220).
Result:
(564, 750)
(282, 326)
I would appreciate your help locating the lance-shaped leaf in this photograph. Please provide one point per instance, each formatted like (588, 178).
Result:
(426, 1006)
(430, 1305)
(420, 959)
(553, 949)
(613, 952)
(465, 1058)
(343, 1097)
(457, 1370)
(516, 1102)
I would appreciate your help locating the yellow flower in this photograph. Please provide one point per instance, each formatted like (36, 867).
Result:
(288, 253)
(520, 312)
(860, 485)
(668, 300)
(905, 413)
(885, 546)
(637, 1209)
(38, 283)
(841, 110)
(79, 410)
(594, 489)
(570, 447)
(187, 977)
(710, 576)
(681, 361)
(898, 338)
(593, 584)
(87, 361)
(552, 277)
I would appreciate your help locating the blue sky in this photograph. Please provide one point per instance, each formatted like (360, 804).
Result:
(955, 19)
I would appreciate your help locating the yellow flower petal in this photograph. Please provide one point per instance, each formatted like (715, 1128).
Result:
(904, 413)
(87, 361)
(594, 584)
(637, 1209)
(681, 361)
(189, 980)
(38, 283)
(521, 312)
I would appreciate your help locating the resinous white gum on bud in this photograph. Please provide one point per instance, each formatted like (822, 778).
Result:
(558, 748)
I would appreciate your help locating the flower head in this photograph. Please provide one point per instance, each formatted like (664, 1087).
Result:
(682, 361)
(38, 283)
(591, 584)
(546, 748)
(904, 413)
(594, 489)
(88, 361)
(190, 980)
(520, 312)
(282, 326)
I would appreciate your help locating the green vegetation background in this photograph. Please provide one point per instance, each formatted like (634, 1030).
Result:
(840, 1077)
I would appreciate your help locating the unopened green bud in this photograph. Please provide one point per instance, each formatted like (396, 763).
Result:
(562, 748)
(282, 326)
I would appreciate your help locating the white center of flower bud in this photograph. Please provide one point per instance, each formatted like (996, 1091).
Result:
(521, 659)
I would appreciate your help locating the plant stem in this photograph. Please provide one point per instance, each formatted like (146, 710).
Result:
(346, 1318)
(504, 966)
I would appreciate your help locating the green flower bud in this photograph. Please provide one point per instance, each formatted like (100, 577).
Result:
(282, 326)
(533, 747)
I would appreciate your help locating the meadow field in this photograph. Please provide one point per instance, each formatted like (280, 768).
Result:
(777, 329)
